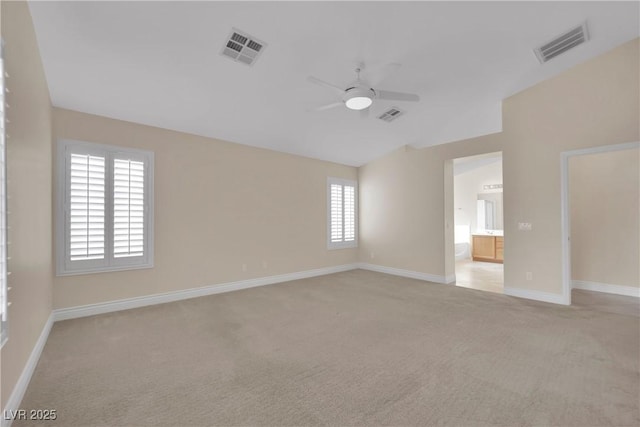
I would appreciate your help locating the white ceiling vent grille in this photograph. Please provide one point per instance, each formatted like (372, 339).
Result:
(241, 47)
(563, 43)
(391, 114)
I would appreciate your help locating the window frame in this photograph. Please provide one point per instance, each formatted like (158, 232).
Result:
(342, 182)
(66, 267)
(4, 240)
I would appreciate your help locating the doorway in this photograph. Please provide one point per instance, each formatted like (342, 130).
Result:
(599, 205)
(478, 222)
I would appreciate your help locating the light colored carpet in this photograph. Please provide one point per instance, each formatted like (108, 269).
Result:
(354, 348)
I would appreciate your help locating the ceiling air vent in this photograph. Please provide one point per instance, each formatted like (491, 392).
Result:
(562, 43)
(241, 47)
(391, 114)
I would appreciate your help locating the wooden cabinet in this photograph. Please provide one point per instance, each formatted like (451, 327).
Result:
(484, 247)
(499, 248)
(488, 248)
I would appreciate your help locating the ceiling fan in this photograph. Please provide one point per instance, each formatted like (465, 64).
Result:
(359, 95)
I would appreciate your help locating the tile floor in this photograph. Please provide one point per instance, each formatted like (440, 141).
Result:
(483, 276)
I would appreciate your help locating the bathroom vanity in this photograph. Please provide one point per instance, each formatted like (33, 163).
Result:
(487, 247)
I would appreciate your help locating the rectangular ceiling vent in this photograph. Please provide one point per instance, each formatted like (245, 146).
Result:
(563, 43)
(241, 47)
(391, 114)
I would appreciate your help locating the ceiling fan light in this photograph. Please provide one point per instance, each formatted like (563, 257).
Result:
(358, 102)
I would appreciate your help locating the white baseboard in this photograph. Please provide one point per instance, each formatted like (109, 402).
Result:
(606, 287)
(20, 388)
(536, 295)
(406, 273)
(125, 304)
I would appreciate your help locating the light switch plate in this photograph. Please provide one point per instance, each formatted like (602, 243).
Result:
(524, 226)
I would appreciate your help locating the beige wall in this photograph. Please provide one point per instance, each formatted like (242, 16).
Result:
(218, 206)
(403, 204)
(604, 192)
(593, 104)
(29, 189)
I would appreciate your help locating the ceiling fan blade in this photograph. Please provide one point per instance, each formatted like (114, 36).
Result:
(328, 106)
(382, 73)
(397, 96)
(334, 88)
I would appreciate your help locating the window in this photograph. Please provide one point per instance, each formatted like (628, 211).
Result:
(341, 201)
(105, 208)
(3, 207)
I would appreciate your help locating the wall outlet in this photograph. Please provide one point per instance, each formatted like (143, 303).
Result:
(244, 267)
(529, 275)
(373, 255)
(524, 226)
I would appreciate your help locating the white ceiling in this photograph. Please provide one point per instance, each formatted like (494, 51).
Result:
(467, 164)
(159, 63)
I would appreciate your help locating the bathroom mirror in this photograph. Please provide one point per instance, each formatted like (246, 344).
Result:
(489, 211)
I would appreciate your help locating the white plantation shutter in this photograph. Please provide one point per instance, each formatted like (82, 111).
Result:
(336, 213)
(128, 208)
(105, 209)
(342, 196)
(86, 207)
(349, 213)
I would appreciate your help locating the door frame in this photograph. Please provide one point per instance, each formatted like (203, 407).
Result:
(449, 211)
(564, 206)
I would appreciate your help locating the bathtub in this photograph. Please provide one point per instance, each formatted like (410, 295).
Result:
(462, 251)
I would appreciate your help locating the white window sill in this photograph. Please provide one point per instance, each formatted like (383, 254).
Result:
(104, 269)
(343, 245)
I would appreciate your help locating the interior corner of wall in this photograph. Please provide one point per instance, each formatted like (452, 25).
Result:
(500, 116)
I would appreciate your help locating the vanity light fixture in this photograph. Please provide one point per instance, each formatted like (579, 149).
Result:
(492, 186)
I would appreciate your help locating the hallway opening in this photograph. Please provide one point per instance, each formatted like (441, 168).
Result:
(479, 222)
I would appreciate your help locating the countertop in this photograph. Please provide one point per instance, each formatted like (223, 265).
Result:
(499, 233)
